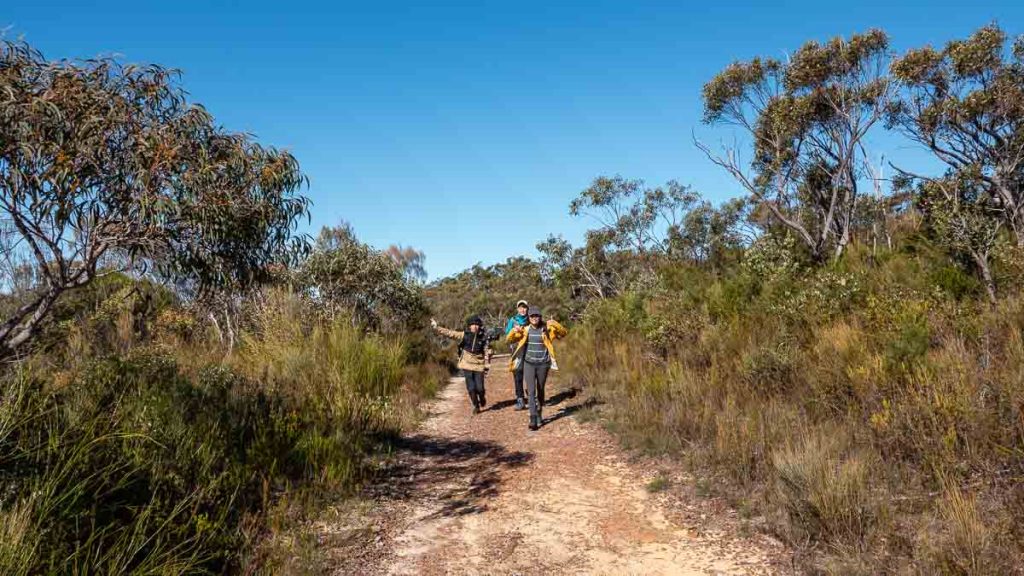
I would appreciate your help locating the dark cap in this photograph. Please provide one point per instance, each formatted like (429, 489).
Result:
(534, 311)
(474, 320)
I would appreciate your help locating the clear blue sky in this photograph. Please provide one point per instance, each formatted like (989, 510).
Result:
(464, 129)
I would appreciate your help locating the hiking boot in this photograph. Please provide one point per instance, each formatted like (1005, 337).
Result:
(533, 424)
(520, 405)
(476, 409)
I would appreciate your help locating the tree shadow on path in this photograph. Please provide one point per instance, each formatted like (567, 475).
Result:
(461, 475)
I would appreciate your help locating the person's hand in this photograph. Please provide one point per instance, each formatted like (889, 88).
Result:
(433, 323)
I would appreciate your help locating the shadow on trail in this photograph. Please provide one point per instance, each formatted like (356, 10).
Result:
(500, 405)
(561, 397)
(460, 474)
(570, 410)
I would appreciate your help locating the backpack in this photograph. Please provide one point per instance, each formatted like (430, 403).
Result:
(474, 343)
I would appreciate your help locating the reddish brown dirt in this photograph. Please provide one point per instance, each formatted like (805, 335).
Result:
(484, 495)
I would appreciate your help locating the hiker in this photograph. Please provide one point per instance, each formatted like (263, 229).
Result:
(520, 319)
(474, 357)
(536, 352)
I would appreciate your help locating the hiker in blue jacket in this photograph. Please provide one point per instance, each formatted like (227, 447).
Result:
(520, 319)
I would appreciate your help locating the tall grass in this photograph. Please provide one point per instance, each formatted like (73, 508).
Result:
(838, 402)
(164, 457)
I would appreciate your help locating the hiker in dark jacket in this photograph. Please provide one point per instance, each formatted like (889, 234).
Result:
(536, 351)
(474, 357)
(520, 319)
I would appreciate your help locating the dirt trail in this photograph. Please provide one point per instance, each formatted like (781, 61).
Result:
(484, 495)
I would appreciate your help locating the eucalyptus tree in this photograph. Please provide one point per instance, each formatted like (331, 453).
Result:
(105, 166)
(587, 272)
(961, 220)
(343, 276)
(806, 120)
(633, 216)
(965, 104)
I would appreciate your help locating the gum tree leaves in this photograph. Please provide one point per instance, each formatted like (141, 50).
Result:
(805, 121)
(106, 166)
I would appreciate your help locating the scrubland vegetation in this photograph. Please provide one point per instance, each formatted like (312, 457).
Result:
(835, 352)
(870, 413)
(185, 377)
(840, 351)
(169, 454)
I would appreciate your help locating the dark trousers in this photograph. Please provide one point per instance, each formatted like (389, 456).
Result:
(536, 375)
(475, 387)
(517, 375)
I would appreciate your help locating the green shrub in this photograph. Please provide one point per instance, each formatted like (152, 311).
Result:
(909, 344)
(955, 281)
(896, 355)
(769, 368)
(151, 461)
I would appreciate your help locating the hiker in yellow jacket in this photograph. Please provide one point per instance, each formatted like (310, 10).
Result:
(536, 354)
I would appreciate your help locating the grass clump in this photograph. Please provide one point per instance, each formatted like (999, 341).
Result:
(868, 411)
(161, 455)
(659, 483)
(826, 494)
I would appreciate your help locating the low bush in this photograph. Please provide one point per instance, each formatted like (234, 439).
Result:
(153, 459)
(840, 420)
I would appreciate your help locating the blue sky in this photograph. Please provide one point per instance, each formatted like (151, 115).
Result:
(464, 129)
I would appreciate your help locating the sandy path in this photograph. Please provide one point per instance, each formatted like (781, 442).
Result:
(484, 495)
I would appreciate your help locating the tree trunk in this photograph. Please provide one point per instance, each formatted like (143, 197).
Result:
(231, 330)
(874, 239)
(26, 323)
(216, 327)
(981, 261)
(840, 246)
(1017, 225)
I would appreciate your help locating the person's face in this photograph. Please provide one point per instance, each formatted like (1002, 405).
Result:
(535, 319)
(474, 328)
(522, 310)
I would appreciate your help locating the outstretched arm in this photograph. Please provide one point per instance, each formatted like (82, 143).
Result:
(556, 330)
(453, 334)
